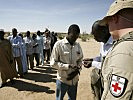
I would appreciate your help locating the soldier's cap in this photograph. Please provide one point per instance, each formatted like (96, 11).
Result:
(116, 6)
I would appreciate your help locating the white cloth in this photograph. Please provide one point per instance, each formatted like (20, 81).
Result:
(23, 57)
(37, 48)
(29, 45)
(16, 45)
(47, 42)
(41, 48)
(105, 48)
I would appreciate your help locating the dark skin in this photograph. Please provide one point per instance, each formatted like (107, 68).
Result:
(11, 61)
(34, 36)
(2, 35)
(21, 35)
(72, 37)
(14, 31)
(2, 38)
(87, 62)
(101, 34)
(47, 34)
(38, 33)
(28, 33)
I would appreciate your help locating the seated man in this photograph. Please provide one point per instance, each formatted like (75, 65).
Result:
(101, 34)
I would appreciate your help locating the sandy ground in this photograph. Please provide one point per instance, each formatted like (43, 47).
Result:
(40, 83)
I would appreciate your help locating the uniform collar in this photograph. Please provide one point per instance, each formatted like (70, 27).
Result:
(126, 37)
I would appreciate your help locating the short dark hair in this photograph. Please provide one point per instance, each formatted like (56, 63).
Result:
(33, 35)
(14, 29)
(2, 32)
(74, 27)
(96, 27)
(21, 35)
(38, 32)
(28, 32)
(100, 32)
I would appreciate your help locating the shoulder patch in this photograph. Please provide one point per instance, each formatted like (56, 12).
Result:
(118, 85)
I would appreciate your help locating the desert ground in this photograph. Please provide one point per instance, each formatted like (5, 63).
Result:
(40, 83)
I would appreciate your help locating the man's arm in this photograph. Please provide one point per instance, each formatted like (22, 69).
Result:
(55, 59)
(97, 62)
(79, 61)
(19, 43)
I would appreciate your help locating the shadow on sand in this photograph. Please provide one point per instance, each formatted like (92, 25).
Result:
(48, 70)
(25, 86)
(42, 74)
(39, 77)
(39, 74)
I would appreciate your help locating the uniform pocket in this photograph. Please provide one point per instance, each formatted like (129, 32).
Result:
(65, 53)
(65, 57)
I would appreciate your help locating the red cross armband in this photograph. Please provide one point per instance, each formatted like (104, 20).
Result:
(118, 85)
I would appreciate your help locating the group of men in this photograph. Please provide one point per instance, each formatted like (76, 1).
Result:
(22, 51)
(112, 76)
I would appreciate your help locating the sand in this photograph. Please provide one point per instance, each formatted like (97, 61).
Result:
(40, 83)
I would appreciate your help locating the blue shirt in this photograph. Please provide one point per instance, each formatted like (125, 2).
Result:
(105, 48)
(16, 45)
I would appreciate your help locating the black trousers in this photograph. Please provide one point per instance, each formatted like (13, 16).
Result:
(48, 52)
(36, 56)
